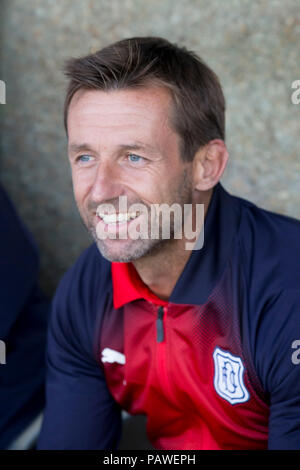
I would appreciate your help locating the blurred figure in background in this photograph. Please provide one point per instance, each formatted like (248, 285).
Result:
(23, 321)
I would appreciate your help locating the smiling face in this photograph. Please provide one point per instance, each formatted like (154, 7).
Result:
(121, 144)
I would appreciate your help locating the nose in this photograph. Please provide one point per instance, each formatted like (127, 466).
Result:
(107, 182)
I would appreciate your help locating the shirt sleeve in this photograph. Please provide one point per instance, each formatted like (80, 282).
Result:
(279, 364)
(80, 411)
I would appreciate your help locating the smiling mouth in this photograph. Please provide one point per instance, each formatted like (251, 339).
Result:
(118, 218)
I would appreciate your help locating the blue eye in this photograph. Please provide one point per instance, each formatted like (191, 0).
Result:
(134, 158)
(84, 158)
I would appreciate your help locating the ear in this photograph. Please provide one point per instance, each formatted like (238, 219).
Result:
(209, 164)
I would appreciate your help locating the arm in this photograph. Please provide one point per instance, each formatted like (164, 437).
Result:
(80, 411)
(281, 374)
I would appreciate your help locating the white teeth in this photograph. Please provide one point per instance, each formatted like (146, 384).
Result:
(113, 218)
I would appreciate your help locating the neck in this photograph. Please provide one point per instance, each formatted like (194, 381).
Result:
(161, 269)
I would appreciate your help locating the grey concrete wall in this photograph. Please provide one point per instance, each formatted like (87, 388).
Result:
(252, 45)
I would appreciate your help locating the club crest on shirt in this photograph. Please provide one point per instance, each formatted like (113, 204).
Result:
(228, 379)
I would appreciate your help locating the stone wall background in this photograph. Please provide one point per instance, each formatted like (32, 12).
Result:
(252, 45)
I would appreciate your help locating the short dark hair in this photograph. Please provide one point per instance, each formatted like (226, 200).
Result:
(198, 101)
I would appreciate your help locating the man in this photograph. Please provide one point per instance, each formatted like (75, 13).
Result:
(201, 341)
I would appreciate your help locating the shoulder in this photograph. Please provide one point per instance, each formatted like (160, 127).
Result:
(270, 245)
(89, 272)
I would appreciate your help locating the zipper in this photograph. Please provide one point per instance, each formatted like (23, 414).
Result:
(161, 350)
(160, 336)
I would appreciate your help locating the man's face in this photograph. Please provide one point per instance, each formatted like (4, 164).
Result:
(121, 144)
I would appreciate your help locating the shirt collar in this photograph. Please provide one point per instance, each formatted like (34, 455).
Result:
(204, 266)
(128, 286)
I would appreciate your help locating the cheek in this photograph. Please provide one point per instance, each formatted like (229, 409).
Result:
(154, 182)
(81, 185)
(178, 189)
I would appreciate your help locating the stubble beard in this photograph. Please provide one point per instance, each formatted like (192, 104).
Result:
(125, 251)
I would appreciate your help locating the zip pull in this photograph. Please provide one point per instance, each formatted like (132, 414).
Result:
(160, 325)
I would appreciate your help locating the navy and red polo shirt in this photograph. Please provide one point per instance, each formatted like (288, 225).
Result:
(214, 367)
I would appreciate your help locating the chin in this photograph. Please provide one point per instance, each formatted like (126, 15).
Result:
(132, 251)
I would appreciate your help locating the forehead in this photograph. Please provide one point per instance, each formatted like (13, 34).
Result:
(135, 113)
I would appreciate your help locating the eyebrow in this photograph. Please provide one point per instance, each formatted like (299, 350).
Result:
(79, 147)
(74, 148)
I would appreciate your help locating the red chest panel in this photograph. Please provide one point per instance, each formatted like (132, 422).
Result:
(192, 383)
